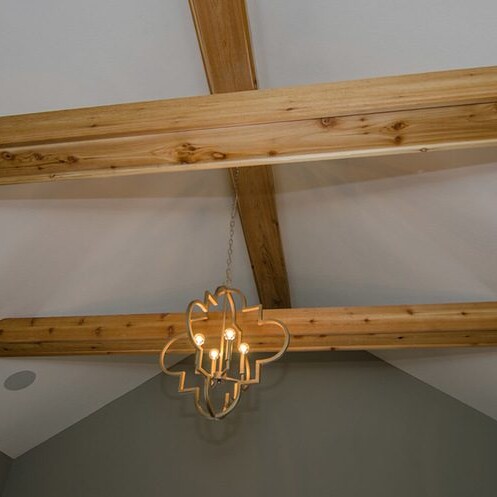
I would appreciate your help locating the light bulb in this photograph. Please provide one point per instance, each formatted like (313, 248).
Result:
(199, 339)
(229, 334)
(213, 354)
(244, 348)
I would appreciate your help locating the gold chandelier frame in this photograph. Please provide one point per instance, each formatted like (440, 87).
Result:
(221, 360)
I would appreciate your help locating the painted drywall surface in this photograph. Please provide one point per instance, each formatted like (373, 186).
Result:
(5, 463)
(299, 42)
(343, 425)
(468, 374)
(66, 390)
(96, 53)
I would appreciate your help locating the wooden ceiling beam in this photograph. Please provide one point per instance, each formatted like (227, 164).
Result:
(366, 96)
(311, 329)
(423, 130)
(224, 38)
(381, 116)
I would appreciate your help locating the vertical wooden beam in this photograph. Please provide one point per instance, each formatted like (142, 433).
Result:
(224, 38)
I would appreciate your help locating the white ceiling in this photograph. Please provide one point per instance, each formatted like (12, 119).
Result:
(312, 41)
(371, 231)
(71, 53)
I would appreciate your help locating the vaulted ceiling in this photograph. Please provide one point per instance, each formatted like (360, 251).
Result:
(407, 229)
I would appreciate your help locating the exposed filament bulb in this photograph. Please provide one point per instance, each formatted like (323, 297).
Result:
(244, 348)
(213, 354)
(229, 334)
(199, 339)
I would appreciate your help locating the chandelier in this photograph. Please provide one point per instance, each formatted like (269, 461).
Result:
(224, 359)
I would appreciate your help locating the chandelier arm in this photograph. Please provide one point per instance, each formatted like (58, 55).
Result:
(162, 358)
(247, 368)
(231, 291)
(221, 340)
(199, 356)
(207, 400)
(189, 311)
(261, 362)
(178, 374)
(182, 378)
(285, 345)
(217, 415)
(234, 403)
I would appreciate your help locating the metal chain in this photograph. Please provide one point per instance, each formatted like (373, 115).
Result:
(229, 258)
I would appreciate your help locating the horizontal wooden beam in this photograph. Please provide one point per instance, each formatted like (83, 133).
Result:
(329, 328)
(370, 117)
(393, 93)
(326, 138)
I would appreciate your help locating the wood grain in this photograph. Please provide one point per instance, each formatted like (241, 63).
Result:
(327, 328)
(259, 218)
(224, 38)
(394, 93)
(316, 139)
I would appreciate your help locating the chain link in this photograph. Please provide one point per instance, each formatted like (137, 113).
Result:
(229, 258)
